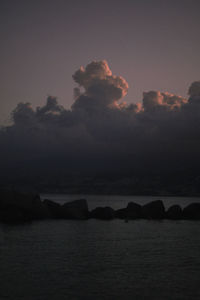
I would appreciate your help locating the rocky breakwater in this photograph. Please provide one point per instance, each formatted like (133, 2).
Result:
(74, 210)
(17, 207)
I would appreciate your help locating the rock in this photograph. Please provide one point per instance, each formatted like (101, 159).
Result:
(13, 216)
(153, 210)
(28, 204)
(134, 210)
(174, 212)
(131, 212)
(77, 209)
(53, 208)
(121, 213)
(103, 213)
(192, 211)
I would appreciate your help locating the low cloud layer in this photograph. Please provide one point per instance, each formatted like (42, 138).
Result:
(101, 133)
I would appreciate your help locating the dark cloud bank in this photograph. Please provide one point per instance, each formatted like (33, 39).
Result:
(103, 144)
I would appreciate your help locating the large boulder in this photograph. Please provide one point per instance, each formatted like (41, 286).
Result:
(153, 210)
(77, 209)
(13, 215)
(121, 213)
(175, 212)
(54, 208)
(103, 213)
(131, 212)
(134, 210)
(16, 203)
(192, 211)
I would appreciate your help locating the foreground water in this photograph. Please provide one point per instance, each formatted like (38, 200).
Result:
(62, 259)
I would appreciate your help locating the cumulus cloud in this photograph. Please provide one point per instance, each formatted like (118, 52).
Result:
(194, 92)
(100, 86)
(23, 114)
(101, 131)
(156, 99)
(194, 89)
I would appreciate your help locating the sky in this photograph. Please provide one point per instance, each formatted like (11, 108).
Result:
(111, 87)
(153, 45)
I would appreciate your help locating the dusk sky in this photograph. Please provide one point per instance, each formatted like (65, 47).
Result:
(153, 44)
(99, 98)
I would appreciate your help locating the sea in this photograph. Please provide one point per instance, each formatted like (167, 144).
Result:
(96, 259)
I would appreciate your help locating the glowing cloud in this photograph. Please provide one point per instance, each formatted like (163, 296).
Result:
(101, 87)
(162, 130)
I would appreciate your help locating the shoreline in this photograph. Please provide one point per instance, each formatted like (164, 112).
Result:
(18, 206)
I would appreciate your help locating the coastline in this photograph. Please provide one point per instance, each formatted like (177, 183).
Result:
(19, 206)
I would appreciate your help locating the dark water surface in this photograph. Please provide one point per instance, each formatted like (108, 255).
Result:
(62, 259)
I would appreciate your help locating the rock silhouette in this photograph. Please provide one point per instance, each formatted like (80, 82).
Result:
(77, 209)
(175, 212)
(153, 210)
(131, 212)
(53, 208)
(192, 211)
(121, 213)
(18, 207)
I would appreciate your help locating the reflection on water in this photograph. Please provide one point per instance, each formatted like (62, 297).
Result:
(58, 259)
